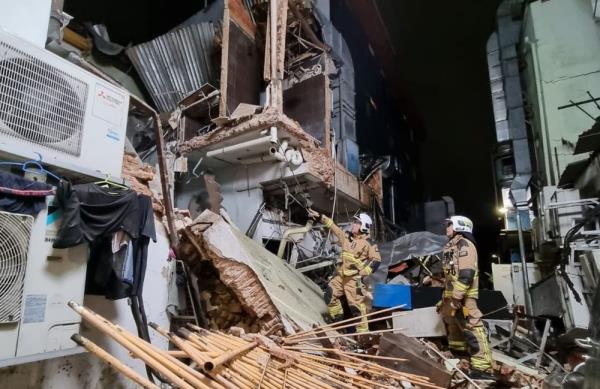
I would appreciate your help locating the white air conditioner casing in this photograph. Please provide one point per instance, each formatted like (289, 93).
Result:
(75, 120)
(52, 278)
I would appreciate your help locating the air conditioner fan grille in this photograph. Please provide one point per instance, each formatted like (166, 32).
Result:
(15, 231)
(40, 103)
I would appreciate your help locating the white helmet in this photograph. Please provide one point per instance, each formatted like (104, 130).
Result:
(461, 223)
(365, 222)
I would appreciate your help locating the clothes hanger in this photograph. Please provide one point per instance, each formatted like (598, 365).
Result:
(26, 167)
(108, 182)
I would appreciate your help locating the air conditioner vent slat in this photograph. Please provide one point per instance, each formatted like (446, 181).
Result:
(40, 103)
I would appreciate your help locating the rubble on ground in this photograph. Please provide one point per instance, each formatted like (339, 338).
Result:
(279, 298)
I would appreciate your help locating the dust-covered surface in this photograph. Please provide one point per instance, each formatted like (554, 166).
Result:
(265, 286)
(232, 128)
(138, 176)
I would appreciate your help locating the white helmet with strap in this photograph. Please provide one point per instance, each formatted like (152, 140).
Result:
(365, 222)
(461, 223)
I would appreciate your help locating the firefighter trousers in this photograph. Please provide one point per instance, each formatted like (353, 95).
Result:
(466, 332)
(352, 288)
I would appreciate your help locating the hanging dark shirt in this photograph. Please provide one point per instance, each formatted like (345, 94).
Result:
(105, 275)
(19, 195)
(91, 211)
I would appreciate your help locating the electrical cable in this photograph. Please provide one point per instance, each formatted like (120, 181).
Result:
(569, 237)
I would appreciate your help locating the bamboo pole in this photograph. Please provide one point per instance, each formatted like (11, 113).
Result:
(336, 324)
(215, 362)
(186, 372)
(351, 325)
(252, 372)
(373, 371)
(362, 382)
(361, 363)
(300, 375)
(372, 367)
(347, 335)
(216, 341)
(379, 370)
(192, 353)
(176, 354)
(285, 375)
(182, 344)
(135, 350)
(189, 373)
(325, 376)
(343, 353)
(112, 361)
(262, 377)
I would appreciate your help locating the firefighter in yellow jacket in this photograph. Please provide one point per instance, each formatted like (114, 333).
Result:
(462, 317)
(359, 259)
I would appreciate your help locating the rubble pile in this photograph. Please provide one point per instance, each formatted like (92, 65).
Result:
(244, 284)
(222, 308)
(511, 377)
(240, 360)
(138, 176)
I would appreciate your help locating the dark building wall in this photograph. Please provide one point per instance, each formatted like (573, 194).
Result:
(382, 128)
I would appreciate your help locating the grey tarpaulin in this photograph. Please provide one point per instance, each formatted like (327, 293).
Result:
(416, 244)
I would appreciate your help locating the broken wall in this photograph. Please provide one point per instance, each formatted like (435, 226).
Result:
(266, 286)
(241, 62)
(307, 102)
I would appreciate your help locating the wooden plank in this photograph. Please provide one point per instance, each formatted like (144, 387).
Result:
(240, 63)
(506, 360)
(400, 346)
(240, 15)
(224, 60)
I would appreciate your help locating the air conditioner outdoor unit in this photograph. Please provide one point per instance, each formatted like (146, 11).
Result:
(73, 119)
(36, 282)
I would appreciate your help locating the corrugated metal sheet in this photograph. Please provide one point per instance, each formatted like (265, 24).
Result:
(175, 64)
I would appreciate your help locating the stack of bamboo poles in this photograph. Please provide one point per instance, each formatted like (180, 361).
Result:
(221, 361)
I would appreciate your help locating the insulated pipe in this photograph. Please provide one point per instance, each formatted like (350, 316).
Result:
(258, 159)
(277, 155)
(265, 140)
(290, 231)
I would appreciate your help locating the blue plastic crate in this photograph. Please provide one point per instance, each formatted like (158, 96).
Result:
(391, 295)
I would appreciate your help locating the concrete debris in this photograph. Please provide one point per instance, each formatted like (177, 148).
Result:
(138, 176)
(418, 360)
(277, 297)
(223, 308)
(234, 127)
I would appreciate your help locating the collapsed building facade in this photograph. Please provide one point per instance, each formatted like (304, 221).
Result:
(235, 122)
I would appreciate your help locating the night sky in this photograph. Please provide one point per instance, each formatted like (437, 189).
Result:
(440, 57)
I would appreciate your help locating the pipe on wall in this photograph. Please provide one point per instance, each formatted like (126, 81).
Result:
(292, 231)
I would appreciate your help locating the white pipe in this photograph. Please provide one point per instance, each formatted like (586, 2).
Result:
(240, 146)
(294, 157)
(259, 159)
(273, 135)
(292, 231)
(265, 140)
(277, 155)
